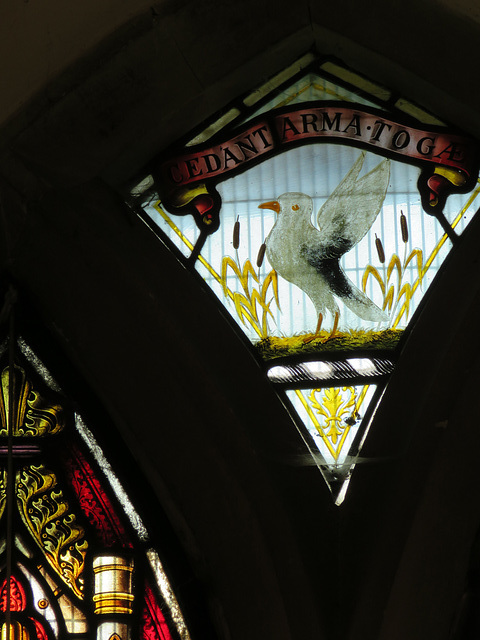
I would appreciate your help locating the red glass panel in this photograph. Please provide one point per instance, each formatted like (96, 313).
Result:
(18, 598)
(94, 502)
(41, 633)
(154, 623)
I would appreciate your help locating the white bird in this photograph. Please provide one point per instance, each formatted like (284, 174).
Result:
(310, 258)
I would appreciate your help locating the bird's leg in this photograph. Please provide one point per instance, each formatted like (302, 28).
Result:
(308, 339)
(335, 325)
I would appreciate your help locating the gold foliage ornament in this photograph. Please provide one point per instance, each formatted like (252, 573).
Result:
(46, 515)
(337, 405)
(334, 412)
(32, 415)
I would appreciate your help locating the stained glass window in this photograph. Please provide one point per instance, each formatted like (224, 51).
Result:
(76, 560)
(319, 208)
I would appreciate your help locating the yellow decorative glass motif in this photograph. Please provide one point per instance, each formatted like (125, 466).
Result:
(333, 415)
(46, 515)
(14, 631)
(336, 409)
(33, 417)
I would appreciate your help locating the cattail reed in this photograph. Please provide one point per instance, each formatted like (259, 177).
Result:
(404, 227)
(236, 234)
(261, 254)
(380, 251)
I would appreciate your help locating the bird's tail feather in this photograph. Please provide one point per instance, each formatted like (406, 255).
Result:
(362, 306)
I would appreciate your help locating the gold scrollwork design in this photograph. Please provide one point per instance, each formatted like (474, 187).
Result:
(46, 514)
(333, 411)
(335, 405)
(33, 416)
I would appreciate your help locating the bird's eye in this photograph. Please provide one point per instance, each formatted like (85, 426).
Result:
(295, 207)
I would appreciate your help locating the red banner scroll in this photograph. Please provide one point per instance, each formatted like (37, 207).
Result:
(185, 178)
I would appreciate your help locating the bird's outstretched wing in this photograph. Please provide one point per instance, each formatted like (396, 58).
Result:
(352, 208)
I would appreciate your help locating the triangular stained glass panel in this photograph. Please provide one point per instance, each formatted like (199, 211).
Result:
(319, 212)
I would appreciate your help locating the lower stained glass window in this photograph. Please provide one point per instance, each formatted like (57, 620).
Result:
(75, 556)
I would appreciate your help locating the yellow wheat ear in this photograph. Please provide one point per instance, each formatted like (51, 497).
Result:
(372, 271)
(246, 302)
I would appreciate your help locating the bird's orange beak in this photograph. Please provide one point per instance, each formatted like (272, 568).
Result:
(273, 205)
